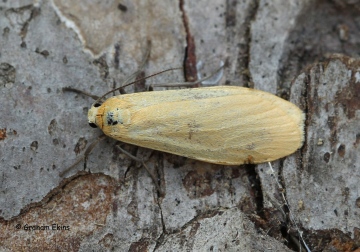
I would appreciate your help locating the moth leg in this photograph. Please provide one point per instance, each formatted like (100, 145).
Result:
(300, 241)
(215, 78)
(138, 74)
(95, 97)
(85, 156)
(153, 177)
(217, 73)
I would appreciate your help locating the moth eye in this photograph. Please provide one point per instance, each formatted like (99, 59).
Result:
(92, 125)
(97, 105)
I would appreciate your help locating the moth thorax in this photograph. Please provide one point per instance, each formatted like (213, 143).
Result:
(116, 116)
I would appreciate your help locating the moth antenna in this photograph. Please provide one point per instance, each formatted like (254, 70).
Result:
(133, 82)
(193, 83)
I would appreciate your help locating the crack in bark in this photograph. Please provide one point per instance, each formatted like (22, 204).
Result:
(190, 70)
(194, 221)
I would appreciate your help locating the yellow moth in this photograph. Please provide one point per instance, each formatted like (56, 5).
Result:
(223, 125)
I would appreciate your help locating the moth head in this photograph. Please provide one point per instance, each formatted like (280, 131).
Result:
(93, 116)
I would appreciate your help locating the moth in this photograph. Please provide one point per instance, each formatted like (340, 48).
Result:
(226, 125)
